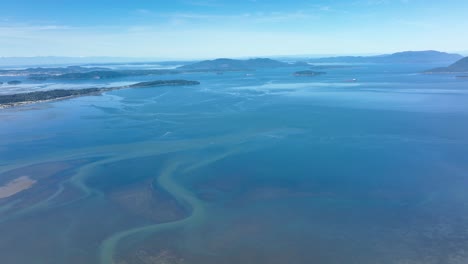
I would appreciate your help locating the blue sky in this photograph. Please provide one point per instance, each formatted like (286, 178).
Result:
(236, 28)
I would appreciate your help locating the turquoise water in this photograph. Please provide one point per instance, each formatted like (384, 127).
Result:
(267, 168)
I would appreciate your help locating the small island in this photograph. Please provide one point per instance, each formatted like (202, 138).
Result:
(308, 73)
(41, 96)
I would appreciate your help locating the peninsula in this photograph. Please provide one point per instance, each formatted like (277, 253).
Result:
(460, 66)
(40, 96)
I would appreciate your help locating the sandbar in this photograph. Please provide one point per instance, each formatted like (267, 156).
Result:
(15, 186)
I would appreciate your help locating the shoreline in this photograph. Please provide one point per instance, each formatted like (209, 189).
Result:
(7, 106)
(84, 92)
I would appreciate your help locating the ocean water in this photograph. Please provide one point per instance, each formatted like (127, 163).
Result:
(250, 168)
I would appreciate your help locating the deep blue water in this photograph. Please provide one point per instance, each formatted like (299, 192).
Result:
(261, 168)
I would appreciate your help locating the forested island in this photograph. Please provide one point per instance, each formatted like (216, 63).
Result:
(81, 73)
(223, 65)
(49, 71)
(96, 73)
(22, 98)
(100, 74)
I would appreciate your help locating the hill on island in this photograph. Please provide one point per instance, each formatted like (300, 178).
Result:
(429, 56)
(233, 65)
(460, 66)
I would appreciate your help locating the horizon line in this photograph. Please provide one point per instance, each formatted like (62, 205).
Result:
(21, 61)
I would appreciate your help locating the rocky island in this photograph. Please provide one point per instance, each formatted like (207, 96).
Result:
(39, 96)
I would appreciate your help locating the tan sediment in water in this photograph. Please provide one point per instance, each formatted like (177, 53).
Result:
(15, 186)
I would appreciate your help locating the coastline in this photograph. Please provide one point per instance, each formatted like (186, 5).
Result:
(7, 106)
(85, 92)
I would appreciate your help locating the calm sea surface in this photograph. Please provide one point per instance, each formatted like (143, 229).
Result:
(257, 168)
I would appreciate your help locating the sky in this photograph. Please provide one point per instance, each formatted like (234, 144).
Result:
(195, 29)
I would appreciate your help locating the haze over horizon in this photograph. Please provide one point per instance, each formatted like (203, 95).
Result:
(194, 29)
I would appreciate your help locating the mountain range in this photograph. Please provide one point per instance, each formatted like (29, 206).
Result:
(430, 56)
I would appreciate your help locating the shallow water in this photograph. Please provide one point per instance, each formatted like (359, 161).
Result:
(265, 168)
